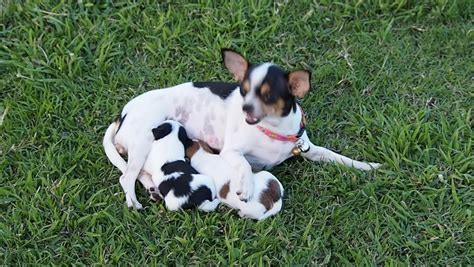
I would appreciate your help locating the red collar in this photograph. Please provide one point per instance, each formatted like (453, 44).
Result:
(286, 138)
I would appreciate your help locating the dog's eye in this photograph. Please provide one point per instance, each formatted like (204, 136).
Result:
(266, 97)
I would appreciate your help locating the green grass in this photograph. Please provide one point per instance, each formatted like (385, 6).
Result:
(392, 83)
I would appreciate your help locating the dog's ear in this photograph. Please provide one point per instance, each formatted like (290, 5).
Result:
(235, 63)
(162, 131)
(183, 137)
(299, 82)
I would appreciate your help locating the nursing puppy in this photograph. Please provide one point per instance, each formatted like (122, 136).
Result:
(178, 184)
(267, 192)
(256, 123)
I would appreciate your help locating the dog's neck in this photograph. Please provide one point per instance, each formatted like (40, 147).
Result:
(287, 125)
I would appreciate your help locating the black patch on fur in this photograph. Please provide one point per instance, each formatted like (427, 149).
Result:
(221, 89)
(279, 89)
(183, 137)
(162, 130)
(177, 166)
(165, 187)
(120, 120)
(198, 196)
(180, 185)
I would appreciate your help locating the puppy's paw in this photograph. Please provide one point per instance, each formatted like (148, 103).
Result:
(244, 192)
(153, 194)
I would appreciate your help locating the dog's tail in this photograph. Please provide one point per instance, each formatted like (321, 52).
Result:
(110, 149)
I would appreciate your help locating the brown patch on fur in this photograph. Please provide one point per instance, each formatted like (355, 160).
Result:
(190, 151)
(224, 190)
(270, 195)
(246, 86)
(264, 89)
(206, 147)
(276, 108)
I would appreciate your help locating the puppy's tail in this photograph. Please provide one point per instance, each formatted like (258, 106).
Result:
(110, 149)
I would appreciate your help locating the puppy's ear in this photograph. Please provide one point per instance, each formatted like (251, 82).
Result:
(162, 131)
(183, 137)
(235, 63)
(299, 82)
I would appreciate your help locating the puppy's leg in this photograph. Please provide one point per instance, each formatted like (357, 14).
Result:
(136, 158)
(208, 206)
(317, 153)
(253, 210)
(244, 173)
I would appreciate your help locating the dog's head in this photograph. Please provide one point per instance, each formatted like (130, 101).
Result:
(268, 91)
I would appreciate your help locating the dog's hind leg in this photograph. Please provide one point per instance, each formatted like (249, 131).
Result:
(137, 155)
(317, 153)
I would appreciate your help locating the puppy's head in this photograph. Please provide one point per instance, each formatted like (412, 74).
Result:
(172, 129)
(268, 90)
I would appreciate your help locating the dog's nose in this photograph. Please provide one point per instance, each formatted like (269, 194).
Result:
(247, 108)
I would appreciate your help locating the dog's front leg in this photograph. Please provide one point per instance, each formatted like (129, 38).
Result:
(317, 153)
(244, 173)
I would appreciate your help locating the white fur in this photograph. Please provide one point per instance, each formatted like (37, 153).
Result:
(220, 123)
(256, 79)
(222, 173)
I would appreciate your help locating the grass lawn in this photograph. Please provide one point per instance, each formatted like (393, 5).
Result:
(392, 83)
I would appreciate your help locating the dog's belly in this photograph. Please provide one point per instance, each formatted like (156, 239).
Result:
(203, 114)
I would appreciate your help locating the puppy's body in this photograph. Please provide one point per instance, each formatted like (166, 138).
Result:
(267, 192)
(179, 184)
(223, 115)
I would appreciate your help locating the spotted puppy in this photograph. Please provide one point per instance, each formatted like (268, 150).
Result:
(267, 192)
(179, 184)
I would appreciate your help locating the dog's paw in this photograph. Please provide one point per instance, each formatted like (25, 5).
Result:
(367, 166)
(138, 205)
(374, 165)
(133, 203)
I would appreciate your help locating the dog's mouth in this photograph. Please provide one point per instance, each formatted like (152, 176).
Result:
(251, 119)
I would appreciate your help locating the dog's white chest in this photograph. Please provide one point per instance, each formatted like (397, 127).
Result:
(268, 154)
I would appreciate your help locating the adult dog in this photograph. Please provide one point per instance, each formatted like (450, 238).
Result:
(254, 123)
